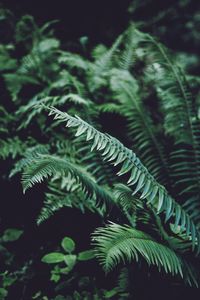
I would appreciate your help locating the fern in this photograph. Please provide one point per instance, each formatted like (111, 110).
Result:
(48, 165)
(115, 243)
(114, 152)
(57, 198)
(141, 129)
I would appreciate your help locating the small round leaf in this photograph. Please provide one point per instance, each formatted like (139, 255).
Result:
(68, 244)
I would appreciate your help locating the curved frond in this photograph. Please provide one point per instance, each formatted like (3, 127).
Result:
(115, 243)
(48, 165)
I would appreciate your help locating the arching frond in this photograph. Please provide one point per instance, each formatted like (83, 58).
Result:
(48, 165)
(114, 152)
(115, 243)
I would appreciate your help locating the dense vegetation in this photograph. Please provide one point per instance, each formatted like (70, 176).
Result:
(127, 167)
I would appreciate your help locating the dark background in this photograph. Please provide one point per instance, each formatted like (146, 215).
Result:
(177, 22)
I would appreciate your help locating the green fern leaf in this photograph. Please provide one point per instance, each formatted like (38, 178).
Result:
(115, 243)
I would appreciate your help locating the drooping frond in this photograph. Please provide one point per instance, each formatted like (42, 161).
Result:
(115, 243)
(145, 184)
(48, 165)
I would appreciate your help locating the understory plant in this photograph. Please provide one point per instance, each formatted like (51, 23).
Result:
(158, 188)
(131, 154)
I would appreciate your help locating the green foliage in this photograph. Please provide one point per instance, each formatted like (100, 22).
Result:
(143, 173)
(65, 263)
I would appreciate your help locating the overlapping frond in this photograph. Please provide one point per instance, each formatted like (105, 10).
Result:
(47, 165)
(145, 184)
(59, 197)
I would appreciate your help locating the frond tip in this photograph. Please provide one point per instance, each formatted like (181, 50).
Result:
(115, 243)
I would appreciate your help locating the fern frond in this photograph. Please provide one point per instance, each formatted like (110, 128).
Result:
(28, 113)
(73, 61)
(114, 152)
(140, 129)
(104, 62)
(123, 283)
(128, 203)
(128, 56)
(136, 211)
(94, 164)
(57, 198)
(115, 243)
(48, 165)
(181, 121)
